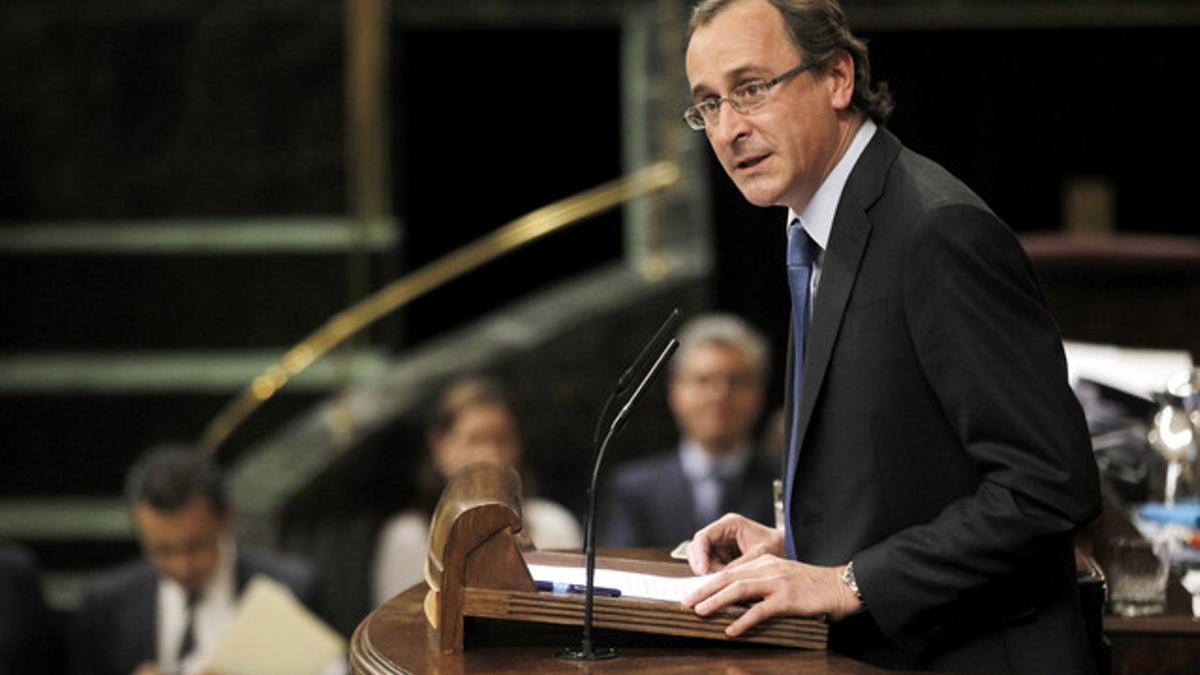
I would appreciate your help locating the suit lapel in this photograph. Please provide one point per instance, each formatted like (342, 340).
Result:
(143, 617)
(678, 499)
(839, 269)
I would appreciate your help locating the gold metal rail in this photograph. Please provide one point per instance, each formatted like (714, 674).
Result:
(345, 324)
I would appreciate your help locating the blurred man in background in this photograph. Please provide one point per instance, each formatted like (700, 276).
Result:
(165, 613)
(716, 396)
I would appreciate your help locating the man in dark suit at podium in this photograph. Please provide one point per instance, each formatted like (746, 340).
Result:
(165, 613)
(938, 463)
(716, 396)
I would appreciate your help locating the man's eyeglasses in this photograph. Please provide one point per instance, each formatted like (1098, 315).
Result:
(743, 98)
(731, 381)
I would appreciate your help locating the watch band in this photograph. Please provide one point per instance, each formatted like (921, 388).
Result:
(849, 579)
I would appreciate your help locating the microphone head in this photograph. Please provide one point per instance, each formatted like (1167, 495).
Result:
(666, 329)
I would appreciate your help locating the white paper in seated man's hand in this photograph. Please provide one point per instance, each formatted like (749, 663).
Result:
(632, 584)
(274, 634)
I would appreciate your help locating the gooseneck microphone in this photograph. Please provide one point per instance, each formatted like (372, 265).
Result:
(587, 651)
(651, 348)
(667, 328)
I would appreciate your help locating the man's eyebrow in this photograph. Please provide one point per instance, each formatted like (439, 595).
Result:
(734, 76)
(700, 91)
(739, 74)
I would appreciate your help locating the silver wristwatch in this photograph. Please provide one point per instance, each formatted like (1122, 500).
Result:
(849, 580)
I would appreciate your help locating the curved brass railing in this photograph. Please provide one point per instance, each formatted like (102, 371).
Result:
(345, 324)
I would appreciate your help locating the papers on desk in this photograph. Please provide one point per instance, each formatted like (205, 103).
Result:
(1140, 372)
(274, 634)
(631, 584)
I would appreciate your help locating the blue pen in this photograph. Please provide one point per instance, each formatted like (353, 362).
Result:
(562, 588)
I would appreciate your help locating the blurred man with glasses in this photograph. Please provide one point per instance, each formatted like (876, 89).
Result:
(938, 463)
(716, 396)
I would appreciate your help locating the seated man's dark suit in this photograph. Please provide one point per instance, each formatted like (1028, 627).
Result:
(649, 502)
(941, 448)
(26, 633)
(117, 628)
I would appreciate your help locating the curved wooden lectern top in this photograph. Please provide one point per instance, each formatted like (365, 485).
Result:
(396, 638)
(477, 568)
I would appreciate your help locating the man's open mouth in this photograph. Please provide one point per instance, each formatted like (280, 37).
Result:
(749, 162)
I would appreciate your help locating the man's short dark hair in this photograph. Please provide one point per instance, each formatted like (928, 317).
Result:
(168, 477)
(818, 28)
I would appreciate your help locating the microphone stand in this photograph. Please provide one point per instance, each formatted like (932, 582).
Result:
(586, 650)
(667, 328)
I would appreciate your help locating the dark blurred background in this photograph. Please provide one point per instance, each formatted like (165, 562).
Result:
(180, 202)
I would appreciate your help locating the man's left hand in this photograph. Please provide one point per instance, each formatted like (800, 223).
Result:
(775, 587)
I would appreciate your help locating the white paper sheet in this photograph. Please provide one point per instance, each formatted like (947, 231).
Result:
(274, 634)
(1140, 372)
(631, 584)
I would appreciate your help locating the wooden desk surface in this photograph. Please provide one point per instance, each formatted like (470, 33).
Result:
(396, 639)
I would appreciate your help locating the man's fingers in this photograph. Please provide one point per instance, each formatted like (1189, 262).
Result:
(744, 568)
(770, 586)
(712, 586)
(758, 612)
(697, 555)
(735, 591)
(751, 554)
(711, 547)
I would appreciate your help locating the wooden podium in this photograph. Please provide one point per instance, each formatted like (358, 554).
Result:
(476, 570)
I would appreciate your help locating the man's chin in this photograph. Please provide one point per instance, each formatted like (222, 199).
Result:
(758, 194)
(190, 586)
(722, 445)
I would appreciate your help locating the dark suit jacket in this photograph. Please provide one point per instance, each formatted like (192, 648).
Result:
(941, 447)
(116, 630)
(649, 501)
(26, 632)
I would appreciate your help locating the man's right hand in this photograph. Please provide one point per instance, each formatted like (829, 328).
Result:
(148, 668)
(731, 541)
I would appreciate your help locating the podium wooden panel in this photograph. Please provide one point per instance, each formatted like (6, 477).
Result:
(479, 610)
(477, 566)
(396, 638)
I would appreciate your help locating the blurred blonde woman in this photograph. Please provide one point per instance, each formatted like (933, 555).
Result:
(473, 422)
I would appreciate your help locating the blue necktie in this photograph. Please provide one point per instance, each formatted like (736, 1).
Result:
(801, 249)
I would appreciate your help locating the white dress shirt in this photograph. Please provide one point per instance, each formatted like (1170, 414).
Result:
(707, 475)
(817, 216)
(215, 610)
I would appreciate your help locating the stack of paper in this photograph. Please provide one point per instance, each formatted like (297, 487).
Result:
(631, 584)
(274, 634)
(1140, 372)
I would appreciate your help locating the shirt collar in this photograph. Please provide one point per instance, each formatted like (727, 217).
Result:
(699, 465)
(222, 584)
(214, 610)
(817, 216)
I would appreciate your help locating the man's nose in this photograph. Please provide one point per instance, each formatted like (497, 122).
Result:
(730, 124)
(718, 385)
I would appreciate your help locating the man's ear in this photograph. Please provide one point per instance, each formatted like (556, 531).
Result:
(839, 79)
